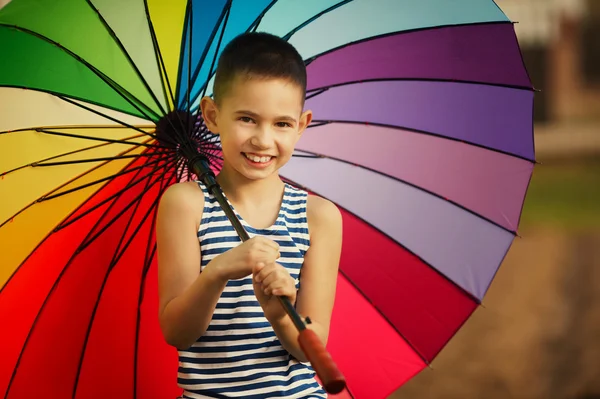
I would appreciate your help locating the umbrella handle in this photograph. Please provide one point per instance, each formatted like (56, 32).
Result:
(331, 377)
(314, 350)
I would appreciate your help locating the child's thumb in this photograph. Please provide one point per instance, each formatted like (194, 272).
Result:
(258, 267)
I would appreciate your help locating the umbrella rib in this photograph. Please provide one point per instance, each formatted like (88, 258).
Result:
(314, 17)
(498, 7)
(315, 92)
(129, 185)
(120, 250)
(189, 103)
(309, 156)
(182, 53)
(402, 32)
(78, 127)
(55, 156)
(98, 181)
(149, 255)
(413, 185)
(111, 83)
(180, 168)
(52, 289)
(254, 26)
(186, 38)
(212, 156)
(106, 116)
(214, 58)
(104, 140)
(80, 161)
(62, 185)
(384, 317)
(224, 14)
(126, 54)
(321, 122)
(59, 95)
(522, 207)
(145, 271)
(159, 56)
(163, 69)
(202, 133)
(319, 90)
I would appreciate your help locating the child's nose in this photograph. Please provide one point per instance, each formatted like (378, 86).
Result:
(262, 138)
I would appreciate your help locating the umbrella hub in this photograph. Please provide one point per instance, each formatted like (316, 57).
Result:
(178, 128)
(187, 135)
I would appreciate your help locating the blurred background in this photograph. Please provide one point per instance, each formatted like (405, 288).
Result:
(538, 334)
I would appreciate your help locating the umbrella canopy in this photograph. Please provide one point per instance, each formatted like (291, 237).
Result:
(423, 137)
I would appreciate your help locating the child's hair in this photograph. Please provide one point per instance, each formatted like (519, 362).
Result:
(260, 55)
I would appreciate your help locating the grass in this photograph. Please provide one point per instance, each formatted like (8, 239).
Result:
(564, 194)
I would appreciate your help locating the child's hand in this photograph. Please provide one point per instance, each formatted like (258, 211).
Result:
(271, 280)
(240, 261)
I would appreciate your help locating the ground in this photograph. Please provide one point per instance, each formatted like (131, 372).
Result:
(537, 335)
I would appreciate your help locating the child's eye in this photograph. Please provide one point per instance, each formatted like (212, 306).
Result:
(283, 124)
(246, 119)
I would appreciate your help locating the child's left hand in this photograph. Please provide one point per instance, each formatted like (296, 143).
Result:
(270, 281)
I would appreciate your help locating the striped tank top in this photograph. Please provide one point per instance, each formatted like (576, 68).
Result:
(239, 355)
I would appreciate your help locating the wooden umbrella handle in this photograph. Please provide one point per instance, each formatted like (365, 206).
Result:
(329, 374)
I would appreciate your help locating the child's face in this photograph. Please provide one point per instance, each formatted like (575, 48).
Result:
(259, 121)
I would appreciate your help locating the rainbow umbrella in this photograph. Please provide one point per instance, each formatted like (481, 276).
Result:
(423, 137)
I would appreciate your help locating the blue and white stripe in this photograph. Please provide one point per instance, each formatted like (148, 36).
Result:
(239, 355)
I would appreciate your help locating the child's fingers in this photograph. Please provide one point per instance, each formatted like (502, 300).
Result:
(277, 281)
(263, 269)
(268, 254)
(268, 276)
(282, 288)
(277, 285)
(273, 250)
(268, 243)
(257, 269)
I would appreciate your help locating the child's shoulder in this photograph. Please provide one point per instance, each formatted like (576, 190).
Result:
(184, 191)
(183, 197)
(321, 211)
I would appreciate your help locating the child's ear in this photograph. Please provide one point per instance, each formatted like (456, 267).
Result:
(305, 119)
(210, 112)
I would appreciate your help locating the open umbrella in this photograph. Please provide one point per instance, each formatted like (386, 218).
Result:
(423, 137)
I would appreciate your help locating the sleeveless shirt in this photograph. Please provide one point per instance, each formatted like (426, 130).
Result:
(239, 355)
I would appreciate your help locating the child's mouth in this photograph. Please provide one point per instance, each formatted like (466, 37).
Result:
(257, 158)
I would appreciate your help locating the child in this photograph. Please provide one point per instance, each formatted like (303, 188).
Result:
(218, 301)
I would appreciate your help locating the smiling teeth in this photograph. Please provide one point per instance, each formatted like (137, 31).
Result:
(258, 159)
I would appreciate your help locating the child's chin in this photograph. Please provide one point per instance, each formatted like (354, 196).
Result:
(263, 174)
(255, 174)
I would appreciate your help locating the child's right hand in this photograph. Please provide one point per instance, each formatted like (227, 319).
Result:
(239, 262)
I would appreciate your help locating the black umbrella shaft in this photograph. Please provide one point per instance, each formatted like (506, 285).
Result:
(204, 173)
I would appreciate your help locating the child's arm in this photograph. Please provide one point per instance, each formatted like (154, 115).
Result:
(318, 277)
(187, 298)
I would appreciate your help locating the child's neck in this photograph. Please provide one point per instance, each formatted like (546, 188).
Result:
(250, 193)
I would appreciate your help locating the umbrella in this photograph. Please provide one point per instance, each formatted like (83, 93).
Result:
(423, 137)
